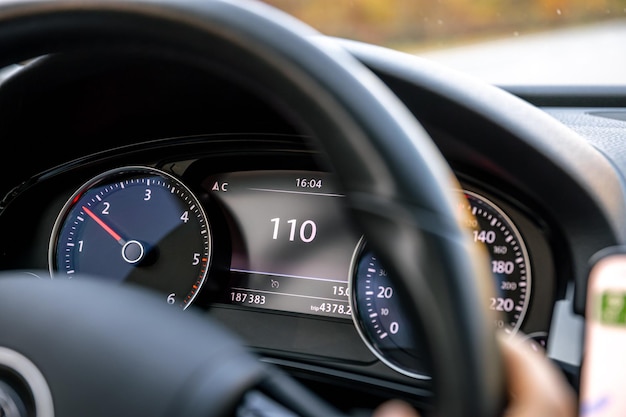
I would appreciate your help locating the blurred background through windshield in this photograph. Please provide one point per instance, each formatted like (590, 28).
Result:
(502, 41)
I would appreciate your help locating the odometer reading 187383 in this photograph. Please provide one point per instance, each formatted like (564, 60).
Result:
(135, 224)
(379, 317)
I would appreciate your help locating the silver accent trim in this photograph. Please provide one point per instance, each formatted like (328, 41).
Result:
(34, 379)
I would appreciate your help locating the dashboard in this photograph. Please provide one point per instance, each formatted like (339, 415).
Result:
(268, 246)
(276, 249)
(212, 195)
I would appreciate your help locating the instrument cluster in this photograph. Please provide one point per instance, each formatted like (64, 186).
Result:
(279, 242)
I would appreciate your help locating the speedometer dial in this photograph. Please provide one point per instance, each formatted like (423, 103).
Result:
(379, 317)
(510, 264)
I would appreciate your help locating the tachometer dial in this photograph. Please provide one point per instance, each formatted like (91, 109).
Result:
(376, 309)
(135, 224)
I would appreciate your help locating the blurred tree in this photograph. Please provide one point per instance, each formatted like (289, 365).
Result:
(413, 22)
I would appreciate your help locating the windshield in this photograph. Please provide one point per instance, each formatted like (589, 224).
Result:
(527, 42)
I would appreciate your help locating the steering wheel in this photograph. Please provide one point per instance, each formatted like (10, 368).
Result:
(87, 348)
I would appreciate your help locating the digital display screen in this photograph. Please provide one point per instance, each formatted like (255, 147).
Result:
(292, 241)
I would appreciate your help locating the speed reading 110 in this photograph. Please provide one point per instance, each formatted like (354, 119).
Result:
(305, 231)
(379, 317)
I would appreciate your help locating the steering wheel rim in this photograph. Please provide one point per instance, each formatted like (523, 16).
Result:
(398, 186)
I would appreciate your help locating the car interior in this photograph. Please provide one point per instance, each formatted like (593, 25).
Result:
(210, 208)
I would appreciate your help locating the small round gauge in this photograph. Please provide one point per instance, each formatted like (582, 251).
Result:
(138, 225)
(380, 319)
(384, 326)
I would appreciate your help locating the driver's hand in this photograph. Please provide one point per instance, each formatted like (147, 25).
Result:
(536, 386)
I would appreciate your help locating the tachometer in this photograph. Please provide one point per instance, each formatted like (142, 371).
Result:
(379, 317)
(135, 224)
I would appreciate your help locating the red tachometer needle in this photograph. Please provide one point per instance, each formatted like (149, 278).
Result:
(105, 226)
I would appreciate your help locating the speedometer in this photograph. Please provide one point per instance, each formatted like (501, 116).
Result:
(510, 264)
(379, 317)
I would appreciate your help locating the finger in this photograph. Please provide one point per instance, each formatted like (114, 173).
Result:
(395, 408)
(536, 387)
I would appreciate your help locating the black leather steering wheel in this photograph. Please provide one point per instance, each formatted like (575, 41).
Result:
(114, 350)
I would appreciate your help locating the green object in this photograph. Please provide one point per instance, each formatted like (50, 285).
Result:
(613, 308)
